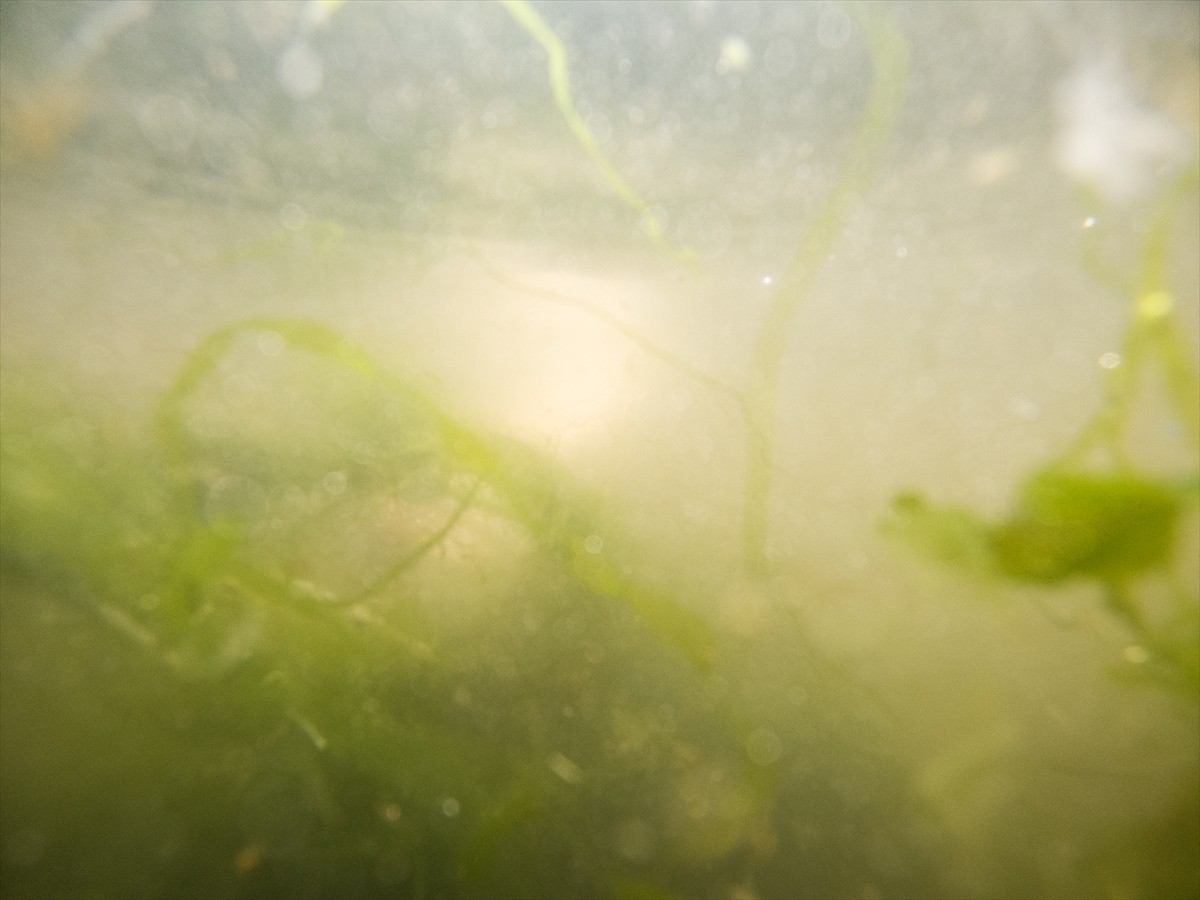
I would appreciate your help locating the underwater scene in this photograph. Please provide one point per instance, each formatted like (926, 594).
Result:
(634, 450)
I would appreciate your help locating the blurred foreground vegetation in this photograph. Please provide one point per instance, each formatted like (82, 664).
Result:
(382, 655)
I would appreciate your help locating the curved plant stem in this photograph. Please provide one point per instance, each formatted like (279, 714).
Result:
(414, 556)
(1153, 337)
(559, 72)
(889, 57)
(553, 510)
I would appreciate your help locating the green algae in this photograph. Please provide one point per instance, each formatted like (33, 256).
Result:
(558, 71)
(374, 742)
(1092, 514)
(1064, 525)
(532, 490)
(347, 729)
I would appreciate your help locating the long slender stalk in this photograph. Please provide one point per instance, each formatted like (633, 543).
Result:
(1154, 337)
(889, 57)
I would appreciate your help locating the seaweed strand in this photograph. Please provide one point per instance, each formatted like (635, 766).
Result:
(889, 57)
(543, 499)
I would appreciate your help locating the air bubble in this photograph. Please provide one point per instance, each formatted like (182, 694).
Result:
(1135, 654)
(300, 71)
(391, 813)
(334, 482)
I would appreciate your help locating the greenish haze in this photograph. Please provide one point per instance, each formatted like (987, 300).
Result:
(1092, 515)
(304, 630)
(889, 59)
(311, 724)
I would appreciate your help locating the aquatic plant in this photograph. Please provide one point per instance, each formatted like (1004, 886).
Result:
(1153, 339)
(1092, 514)
(335, 707)
(532, 490)
(889, 59)
(356, 645)
(1065, 525)
(239, 568)
(558, 71)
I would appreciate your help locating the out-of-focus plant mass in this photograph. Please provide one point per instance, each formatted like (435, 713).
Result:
(519, 449)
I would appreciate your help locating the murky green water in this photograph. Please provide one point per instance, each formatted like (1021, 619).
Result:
(754, 455)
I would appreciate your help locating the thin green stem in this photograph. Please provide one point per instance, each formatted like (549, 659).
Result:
(558, 71)
(889, 57)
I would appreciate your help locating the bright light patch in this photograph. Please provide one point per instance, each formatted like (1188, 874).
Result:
(1109, 141)
(735, 55)
(1155, 305)
(568, 364)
